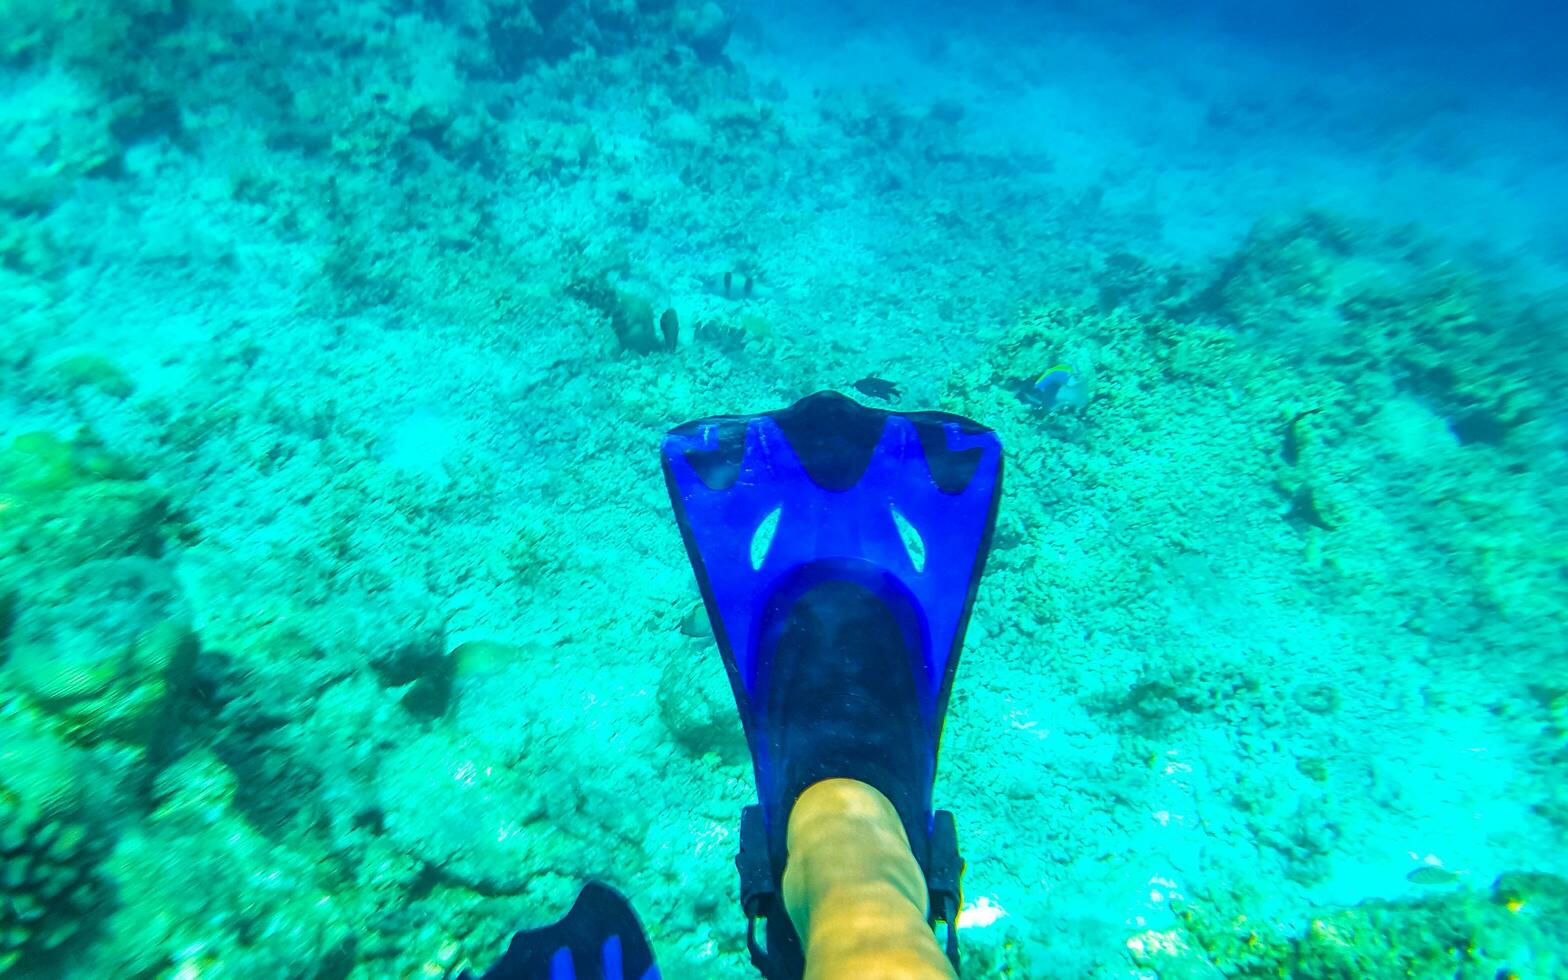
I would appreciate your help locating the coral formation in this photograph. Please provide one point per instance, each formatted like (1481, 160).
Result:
(53, 131)
(1483, 932)
(48, 884)
(98, 637)
(1388, 314)
(51, 847)
(101, 647)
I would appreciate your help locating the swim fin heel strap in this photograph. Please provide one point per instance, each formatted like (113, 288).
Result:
(838, 549)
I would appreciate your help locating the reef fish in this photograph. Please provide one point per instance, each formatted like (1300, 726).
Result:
(1431, 874)
(1047, 383)
(695, 622)
(878, 388)
(1059, 387)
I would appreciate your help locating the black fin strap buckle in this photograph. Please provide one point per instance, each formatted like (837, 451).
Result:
(944, 871)
(756, 888)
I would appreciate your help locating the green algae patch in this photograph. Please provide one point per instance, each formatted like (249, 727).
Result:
(65, 503)
(481, 658)
(92, 371)
(42, 462)
(38, 462)
(104, 520)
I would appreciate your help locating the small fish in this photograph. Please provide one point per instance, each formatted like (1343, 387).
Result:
(1304, 509)
(1059, 387)
(878, 388)
(731, 280)
(695, 622)
(1056, 376)
(670, 329)
(1432, 874)
(1290, 451)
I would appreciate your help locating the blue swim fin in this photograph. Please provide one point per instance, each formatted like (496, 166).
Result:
(838, 549)
(599, 939)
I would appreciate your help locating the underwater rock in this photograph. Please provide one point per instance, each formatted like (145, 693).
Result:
(54, 130)
(260, 700)
(101, 648)
(705, 30)
(266, 777)
(43, 463)
(1170, 956)
(546, 11)
(698, 708)
(491, 814)
(614, 15)
(515, 38)
(1512, 930)
(110, 519)
(195, 886)
(425, 672)
(631, 317)
(1318, 698)
(1365, 302)
(1132, 281)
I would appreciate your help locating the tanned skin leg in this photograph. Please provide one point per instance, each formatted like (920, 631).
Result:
(854, 890)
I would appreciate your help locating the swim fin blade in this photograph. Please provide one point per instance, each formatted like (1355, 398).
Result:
(599, 939)
(838, 549)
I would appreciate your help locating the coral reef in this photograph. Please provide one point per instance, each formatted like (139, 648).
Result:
(99, 634)
(52, 844)
(53, 131)
(94, 655)
(337, 572)
(1391, 315)
(101, 647)
(47, 882)
(1481, 932)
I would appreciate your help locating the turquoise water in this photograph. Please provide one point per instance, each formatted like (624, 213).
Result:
(341, 605)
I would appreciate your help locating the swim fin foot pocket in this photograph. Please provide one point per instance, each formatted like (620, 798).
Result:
(841, 628)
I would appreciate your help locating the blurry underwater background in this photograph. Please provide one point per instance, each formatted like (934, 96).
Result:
(341, 610)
